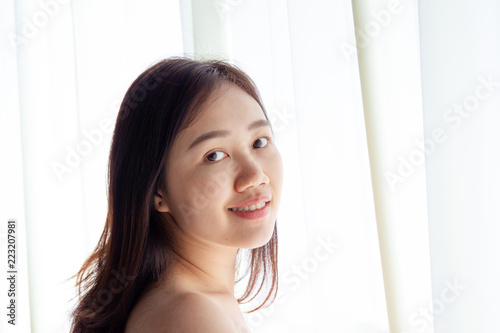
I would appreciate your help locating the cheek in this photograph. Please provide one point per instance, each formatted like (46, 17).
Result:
(275, 173)
(204, 189)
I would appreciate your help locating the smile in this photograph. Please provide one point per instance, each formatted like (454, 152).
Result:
(252, 212)
(250, 208)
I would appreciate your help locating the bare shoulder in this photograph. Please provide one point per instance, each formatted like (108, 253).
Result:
(184, 312)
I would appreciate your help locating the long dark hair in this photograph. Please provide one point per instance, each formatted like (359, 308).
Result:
(137, 245)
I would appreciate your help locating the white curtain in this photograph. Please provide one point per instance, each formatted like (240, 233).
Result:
(389, 207)
(460, 50)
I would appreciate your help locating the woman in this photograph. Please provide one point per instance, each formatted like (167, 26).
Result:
(194, 179)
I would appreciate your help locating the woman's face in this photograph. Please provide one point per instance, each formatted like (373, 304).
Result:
(220, 162)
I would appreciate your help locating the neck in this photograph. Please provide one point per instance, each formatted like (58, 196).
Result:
(207, 267)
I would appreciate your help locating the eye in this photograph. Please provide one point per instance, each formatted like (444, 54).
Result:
(215, 156)
(265, 140)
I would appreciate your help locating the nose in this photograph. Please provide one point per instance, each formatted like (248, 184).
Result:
(250, 174)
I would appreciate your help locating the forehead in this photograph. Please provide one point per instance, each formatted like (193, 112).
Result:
(228, 108)
(230, 101)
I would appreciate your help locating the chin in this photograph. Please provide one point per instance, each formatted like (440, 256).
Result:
(259, 239)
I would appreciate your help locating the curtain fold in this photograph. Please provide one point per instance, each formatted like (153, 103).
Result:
(388, 53)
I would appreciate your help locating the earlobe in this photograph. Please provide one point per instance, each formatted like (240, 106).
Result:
(160, 203)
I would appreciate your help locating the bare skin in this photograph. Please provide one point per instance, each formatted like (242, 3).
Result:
(203, 182)
(182, 305)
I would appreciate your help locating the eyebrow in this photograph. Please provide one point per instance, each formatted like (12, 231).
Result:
(222, 133)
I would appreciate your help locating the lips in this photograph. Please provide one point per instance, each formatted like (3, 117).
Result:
(256, 216)
(253, 201)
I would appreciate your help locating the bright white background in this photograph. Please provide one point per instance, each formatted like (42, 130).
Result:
(352, 89)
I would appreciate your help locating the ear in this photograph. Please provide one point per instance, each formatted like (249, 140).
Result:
(160, 202)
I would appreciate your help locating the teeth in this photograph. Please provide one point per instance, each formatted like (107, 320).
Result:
(249, 208)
